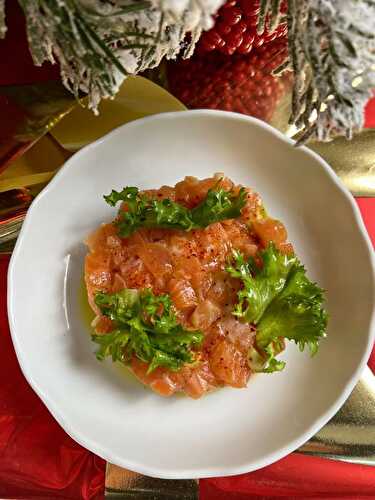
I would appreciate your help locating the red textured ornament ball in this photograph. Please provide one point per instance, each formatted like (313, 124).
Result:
(235, 29)
(243, 84)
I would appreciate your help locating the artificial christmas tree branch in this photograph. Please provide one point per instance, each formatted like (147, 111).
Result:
(99, 42)
(332, 55)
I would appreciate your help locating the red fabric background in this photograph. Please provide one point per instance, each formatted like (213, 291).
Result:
(38, 460)
(16, 65)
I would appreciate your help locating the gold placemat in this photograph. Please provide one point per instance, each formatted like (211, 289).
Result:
(122, 483)
(350, 434)
(353, 161)
(137, 97)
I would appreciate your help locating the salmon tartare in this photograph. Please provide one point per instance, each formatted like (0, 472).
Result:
(195, 287)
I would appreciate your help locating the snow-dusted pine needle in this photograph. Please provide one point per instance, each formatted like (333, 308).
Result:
(332, 54)
(98, 43)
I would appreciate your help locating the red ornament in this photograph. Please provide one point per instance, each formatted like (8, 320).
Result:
(235, 29)
(244, 84)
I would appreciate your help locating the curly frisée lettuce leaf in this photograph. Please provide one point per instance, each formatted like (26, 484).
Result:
(218, 205)
(296, 313)
(142, 211)
(260, 285)
(283, 304)
(264, 360)
(145, 326)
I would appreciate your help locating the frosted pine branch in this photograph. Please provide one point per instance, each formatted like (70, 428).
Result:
(332, 54)
(98, 43)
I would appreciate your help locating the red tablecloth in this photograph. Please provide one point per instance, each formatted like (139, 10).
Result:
(39, 460)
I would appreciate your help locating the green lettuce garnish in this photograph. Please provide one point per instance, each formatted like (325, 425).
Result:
(282, 302)
(143, 211)
(145, 326)
(261, 285)
(218, 205)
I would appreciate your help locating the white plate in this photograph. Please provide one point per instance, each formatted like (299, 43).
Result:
(230, 431)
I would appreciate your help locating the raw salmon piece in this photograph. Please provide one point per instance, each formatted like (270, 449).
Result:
(224, 289)
(286, 248)
(229, 364)
(118, 283)
(201, 282)
(97, 272)
(118, 256)
(214, 245)
(196, 385)
(102, 324)
(182, 245)
(239, 237)
(137, 239)
(194, 381)
(198, 190)
(163, 386)
(238, 333)
(135, 274)
(253, 208)
(162, 193)
(191, 191)
(182, 294)
(188, 266)
(159, 380)
(114, 242)
(200, 380)
(99, 238)
(270, 230)
(157, 261)
(158, 235)
(218, 292)
(106, 245)
(186, 191)
(205, 314)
